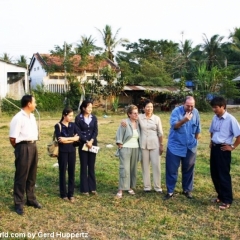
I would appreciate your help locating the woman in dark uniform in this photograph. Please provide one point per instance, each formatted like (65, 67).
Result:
(88, 131)
(66, 133)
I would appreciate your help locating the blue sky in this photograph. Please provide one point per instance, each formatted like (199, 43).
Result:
(29, 26)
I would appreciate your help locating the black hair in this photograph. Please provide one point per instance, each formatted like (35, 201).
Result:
(25, 100)
(218, 101)
(84, 104)
(146, 102)
(65, 112)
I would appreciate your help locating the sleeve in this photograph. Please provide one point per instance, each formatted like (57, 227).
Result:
(235, 127)
(57, 130)
(159, 127)
(120, 134)
(79, 130)
(198, 130)
(211, 126)
(174, 118)
(95, 129)
(15, 128)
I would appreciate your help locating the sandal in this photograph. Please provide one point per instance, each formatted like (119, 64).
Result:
(224, 206)
(119, 195)
(215, 200)
(131, 192)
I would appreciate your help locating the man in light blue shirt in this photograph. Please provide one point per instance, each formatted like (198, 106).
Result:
(223, 129)
(182, 146)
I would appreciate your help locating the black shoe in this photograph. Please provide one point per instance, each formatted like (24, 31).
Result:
(147, 191)
(159, 192)
(168, 196)
(19, 209)
(188, 194)
(34, 204)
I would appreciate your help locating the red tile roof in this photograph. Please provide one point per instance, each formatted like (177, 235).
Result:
(48, 59)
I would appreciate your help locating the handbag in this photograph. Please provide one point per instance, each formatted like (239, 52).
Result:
(93, 149)
(52, 148)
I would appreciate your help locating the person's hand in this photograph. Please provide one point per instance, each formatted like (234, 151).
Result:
(119, 145)
(160, 149)
(210, 144)
(75, 137)
(188, 116)
(89, 144)
(123, 123)
(226, 147)
(61, 139)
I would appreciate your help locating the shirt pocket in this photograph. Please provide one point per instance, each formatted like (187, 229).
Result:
(194, 128)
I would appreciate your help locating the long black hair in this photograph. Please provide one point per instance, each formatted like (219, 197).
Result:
(65, 112)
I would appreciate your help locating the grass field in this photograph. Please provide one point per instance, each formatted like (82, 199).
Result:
(143, 216)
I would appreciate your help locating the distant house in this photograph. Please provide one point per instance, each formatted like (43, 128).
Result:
(14, 81)
(54, 81)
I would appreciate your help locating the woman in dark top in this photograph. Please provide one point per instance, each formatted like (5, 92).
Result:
(88, 131)
(66, 133)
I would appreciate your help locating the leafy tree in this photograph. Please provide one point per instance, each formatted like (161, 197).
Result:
(65, 53)
(112, 89)
(216, 81)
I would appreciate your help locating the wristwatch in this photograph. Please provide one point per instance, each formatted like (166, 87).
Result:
(232, 146)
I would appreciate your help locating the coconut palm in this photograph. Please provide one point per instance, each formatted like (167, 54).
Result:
(6, 57)
(85, 48)
(235, 37)
(211, 49)
(110, 40)
(22, 61)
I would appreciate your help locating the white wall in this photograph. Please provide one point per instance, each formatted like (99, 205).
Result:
(4, 69)
(37, 74)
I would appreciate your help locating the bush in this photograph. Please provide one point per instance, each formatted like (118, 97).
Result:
(10, 105)
(48, 101)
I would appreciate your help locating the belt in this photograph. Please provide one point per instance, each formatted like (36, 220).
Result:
(215, 144)
(26, 142)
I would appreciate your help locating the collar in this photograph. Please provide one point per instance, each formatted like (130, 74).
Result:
(223, 116)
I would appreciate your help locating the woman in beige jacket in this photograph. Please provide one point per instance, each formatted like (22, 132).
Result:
(152, 147)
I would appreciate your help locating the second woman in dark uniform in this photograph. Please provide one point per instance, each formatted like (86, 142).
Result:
(88, 131)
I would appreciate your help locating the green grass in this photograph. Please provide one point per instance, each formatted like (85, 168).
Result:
(144, 216)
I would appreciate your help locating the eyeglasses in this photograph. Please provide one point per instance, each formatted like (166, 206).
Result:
(135, 113)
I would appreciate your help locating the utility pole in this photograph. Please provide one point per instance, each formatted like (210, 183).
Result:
(65, 71)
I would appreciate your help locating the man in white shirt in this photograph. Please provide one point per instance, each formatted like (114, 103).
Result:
(23, 136)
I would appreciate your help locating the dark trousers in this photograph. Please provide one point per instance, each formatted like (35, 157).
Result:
(87, 171)
(66, 161)
(220, 162)
(172, 165)
(26, 160)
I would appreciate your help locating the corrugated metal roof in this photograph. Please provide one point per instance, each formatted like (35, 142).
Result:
(152, 88)
(237, 78)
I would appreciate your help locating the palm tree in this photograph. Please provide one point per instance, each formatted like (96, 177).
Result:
(110, 40)
(85, 48)
(211, 48)
(6, 57)
(235, 36)
(22, 61)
